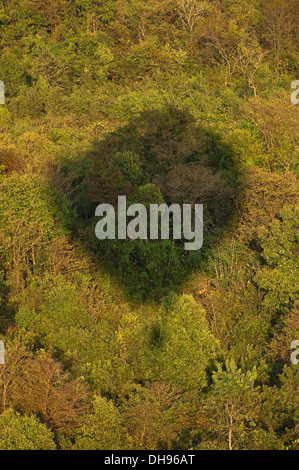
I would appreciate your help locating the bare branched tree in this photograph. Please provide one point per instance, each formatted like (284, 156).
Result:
(191, 12)
(249, 63)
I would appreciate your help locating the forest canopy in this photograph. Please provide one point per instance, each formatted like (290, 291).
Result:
(138, 345)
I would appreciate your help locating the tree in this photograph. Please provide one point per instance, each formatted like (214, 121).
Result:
(279, 22)
(231, 409)
(279, 275)
(183, 344)
(19, 432)
(191, 12)
(285, 334)
(280, 407)
(16, 355)
(233, 40)
(157, 414)
(50, 393)
(101, 429)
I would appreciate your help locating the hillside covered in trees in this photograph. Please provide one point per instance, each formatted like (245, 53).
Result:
(140, 345)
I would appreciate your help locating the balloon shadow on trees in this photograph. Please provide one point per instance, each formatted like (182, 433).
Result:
(162, 156)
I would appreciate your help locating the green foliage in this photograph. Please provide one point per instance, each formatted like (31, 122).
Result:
(140, 344)
(232, 406)
(280, 275)
(24, 433)
(102, 429)
(185, 346)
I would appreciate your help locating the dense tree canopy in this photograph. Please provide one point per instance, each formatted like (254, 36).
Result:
(140, 344)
